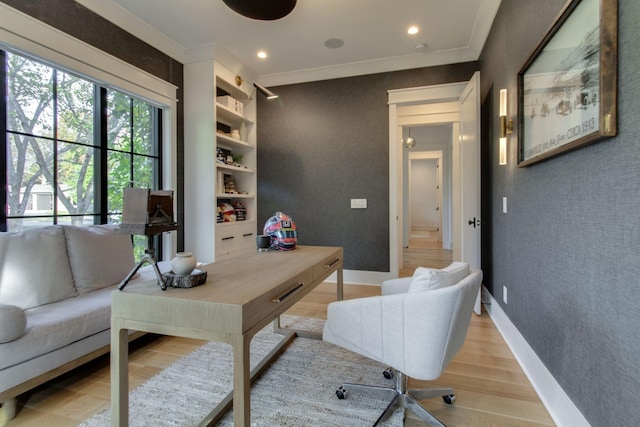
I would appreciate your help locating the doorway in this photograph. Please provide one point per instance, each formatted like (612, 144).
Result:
(449, 105)
(426, 199)
(424, 196)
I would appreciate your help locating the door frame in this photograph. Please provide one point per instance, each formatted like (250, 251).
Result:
(411, 106)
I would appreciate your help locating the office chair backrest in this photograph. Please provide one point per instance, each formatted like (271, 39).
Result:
(438, 328)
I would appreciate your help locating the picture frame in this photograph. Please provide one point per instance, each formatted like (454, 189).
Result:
(567, 88)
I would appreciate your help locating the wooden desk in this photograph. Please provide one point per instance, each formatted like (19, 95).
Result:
(241, 296)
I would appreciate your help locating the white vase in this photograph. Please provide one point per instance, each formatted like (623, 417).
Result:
(183, 264)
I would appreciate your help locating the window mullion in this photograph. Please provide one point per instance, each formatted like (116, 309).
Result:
(5, 141)
(101, 176)
(54, 166)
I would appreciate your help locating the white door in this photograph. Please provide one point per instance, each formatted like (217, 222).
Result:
(469, 172)
(423, 194)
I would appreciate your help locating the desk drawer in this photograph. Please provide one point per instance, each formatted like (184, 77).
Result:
(330, 263)
(281, 298)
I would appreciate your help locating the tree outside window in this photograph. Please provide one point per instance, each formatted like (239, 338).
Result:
(72, 146)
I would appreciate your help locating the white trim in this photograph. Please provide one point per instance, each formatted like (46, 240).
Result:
(484, 21)
(560, 407)
(375, 66)
(441, 95)
(33, 37)
(132, 24)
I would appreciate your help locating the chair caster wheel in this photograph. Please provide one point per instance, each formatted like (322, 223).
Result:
(449, 398)
(388, 373)
(341, 393)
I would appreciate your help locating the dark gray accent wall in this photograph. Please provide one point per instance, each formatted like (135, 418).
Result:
(569, 248)
(81, 23)
(323, 143)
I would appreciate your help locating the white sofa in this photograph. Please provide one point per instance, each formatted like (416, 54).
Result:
(55, 301)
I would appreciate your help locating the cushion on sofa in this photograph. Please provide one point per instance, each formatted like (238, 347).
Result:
(426, 279)
(12, 322)
(34, 268)
(52, 326)
(99, 256)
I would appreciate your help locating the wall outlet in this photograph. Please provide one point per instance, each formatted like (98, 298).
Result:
(358, 203)
(504, 294)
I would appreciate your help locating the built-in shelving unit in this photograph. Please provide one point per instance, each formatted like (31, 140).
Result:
(214, 116)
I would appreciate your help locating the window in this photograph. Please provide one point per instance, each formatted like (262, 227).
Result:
(72, 146)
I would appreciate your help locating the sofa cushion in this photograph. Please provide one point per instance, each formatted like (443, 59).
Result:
(427, 279)
(52, 326)
(99, 256)
(34, 268)
(12, 322)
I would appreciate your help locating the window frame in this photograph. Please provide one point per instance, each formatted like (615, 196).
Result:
(100, 143)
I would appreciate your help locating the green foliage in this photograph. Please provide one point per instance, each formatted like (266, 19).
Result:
(53, 147)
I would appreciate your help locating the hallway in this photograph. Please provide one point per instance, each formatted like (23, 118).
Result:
(424, 251)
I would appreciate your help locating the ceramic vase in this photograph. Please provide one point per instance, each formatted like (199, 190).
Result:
(183, 264)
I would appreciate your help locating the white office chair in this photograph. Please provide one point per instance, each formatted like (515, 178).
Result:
(417, 334)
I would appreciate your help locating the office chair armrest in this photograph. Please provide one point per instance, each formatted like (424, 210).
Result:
(367, 325)
(396, 286)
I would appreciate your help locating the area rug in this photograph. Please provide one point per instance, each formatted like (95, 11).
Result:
(297, 390)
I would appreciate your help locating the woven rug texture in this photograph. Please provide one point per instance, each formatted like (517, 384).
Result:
(297, 390)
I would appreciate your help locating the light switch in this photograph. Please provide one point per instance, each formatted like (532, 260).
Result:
(358, 203)
(504, 205)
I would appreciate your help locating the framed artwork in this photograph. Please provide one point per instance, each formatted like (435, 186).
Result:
(567, 88)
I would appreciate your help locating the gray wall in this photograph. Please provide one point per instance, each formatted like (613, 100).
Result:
(324, 143)
(569, 248)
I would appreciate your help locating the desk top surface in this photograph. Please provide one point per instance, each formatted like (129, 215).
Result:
(241, 279)
(239, 293)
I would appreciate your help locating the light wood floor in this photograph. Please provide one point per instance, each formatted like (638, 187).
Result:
(491, 389)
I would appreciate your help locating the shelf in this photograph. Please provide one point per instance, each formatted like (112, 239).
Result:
(235, 196)
(227, 224)
(233, 142)
(233, 168)
(230, 117)
(232, 89)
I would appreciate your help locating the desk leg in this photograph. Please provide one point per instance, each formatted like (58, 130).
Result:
(340, 285)
(241, 381)
(119, 376)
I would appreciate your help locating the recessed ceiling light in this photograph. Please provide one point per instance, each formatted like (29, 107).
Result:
(413, 30)
(262, 54)
(334, 43)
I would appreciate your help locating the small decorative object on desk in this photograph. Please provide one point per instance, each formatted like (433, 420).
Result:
(196, 278)
(183, 264)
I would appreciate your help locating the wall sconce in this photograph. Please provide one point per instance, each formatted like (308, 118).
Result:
(506, 127)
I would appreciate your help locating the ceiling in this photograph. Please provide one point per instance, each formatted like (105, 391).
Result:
(374, 33)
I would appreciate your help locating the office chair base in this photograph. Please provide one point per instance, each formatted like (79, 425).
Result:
(400, 397)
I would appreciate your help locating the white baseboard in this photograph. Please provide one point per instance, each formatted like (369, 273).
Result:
(562, 410)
